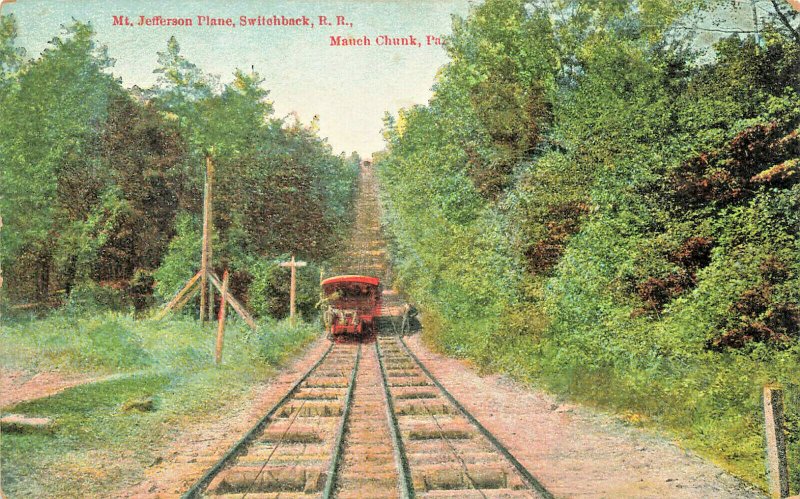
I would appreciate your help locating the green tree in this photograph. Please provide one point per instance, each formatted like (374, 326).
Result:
(11, 56)
(49, 132)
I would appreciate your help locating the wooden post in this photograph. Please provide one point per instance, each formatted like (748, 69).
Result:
(777, 466)
(1, 228)
(1, 287)
(292, 291)
(205, 258)
(293, 284)
(221, 319)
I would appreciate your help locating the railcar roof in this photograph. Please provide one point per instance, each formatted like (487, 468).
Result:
(363, 279)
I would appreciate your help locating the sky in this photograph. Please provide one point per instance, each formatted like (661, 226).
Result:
(348, 87)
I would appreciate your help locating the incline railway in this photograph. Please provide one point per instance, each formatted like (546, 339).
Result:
(368, 419)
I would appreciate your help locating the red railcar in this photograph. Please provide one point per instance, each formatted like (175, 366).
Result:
(354, 301)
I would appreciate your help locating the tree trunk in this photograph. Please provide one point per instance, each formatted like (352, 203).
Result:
(44, 263)
(69, 275)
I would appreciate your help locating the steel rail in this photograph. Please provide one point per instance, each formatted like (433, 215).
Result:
(406, 485)
(526, 475)
(277, 444)
(453, 450)
(195, 490)
(333, 468)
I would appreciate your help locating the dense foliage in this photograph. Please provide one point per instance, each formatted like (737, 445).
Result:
(102, 185)
(594, 200)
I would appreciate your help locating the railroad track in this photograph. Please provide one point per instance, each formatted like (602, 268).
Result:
(296, 446)
(368, 420)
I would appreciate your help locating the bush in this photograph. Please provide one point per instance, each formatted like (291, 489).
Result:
(88, 297)
(182, 260)
(275, 340)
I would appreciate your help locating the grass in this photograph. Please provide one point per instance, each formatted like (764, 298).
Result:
(710, 403)
(97, 447)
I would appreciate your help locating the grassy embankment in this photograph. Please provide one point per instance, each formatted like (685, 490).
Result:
(708, 403)
(97, 446)
(588, 204)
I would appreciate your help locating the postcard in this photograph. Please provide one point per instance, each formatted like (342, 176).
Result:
(399, 248)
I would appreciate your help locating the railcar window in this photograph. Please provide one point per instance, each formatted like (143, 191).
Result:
(355, 291)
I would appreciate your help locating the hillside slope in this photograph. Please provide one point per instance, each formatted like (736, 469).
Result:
(589, 205)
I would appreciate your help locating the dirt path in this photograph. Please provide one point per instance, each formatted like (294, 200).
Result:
(21, 386)
(577, 452)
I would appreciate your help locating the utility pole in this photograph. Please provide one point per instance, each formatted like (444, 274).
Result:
(755, 22)
(205, 259)
(205, 276)
(293, 285)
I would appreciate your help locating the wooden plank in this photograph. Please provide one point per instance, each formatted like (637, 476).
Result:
(177, 298)
(234, 303)
(188, 296)
(777, 465)
(221, 319)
